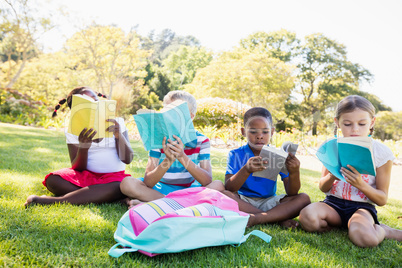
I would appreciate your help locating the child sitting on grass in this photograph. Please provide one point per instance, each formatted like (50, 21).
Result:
(97, 165)
(174, 167)
(350, 204)
(256, 195)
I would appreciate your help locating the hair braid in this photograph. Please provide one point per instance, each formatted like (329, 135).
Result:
(57, 107)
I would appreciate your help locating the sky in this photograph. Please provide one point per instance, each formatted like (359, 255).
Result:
(371, 30)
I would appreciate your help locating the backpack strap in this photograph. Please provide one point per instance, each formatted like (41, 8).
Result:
(117, 252)
(262, 235)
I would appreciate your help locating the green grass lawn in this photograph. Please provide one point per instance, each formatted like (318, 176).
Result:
(80, 236)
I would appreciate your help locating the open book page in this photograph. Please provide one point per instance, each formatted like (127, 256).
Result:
(276, 161)
(289, 147)
(88, 113)
(174, 119)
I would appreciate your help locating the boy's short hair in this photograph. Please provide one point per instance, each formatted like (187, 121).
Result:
(257, 111)
(182, 95)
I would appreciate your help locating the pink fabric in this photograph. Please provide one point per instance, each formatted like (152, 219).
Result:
(144, 214)
(86, 178)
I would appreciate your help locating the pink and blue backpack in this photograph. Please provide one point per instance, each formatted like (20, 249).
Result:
(183, 220)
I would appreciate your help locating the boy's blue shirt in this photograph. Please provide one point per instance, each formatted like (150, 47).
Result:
(253, 186)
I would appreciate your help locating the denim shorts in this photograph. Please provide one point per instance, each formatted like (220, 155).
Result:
(347, 208)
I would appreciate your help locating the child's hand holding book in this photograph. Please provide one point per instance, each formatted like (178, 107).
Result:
(255, 164)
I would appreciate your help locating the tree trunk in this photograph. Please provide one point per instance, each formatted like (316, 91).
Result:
(314, 129)
(16, 76)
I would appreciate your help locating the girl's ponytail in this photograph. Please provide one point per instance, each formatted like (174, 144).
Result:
(61, 102)
(69, 99)
(101, 95)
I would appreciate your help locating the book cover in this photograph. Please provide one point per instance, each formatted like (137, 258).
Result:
(340, 152)
(276, 162)
(174, 119)
(88, 113)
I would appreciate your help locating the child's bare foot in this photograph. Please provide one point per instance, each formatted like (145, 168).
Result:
(132, 203)
(392, 233)
(251, 220)
(292, 224)
(30, 200)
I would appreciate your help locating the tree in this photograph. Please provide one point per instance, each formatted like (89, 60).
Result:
(279, 44)
(182, 65)
(160, 84)
(388, 125)
(51, 76)
(325, 76)
(19, 31)
(251, 78)
(165, 43)
(107, 55)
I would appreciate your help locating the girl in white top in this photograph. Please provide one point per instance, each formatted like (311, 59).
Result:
(350, 204)
(97, 165)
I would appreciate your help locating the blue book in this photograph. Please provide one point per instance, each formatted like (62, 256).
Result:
(174, 119)
(354, 151)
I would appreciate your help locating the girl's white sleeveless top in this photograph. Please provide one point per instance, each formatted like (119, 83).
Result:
(102, 156)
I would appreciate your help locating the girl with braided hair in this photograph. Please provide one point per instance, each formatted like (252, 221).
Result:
(97, 165)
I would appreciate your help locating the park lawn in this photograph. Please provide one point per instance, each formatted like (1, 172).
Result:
(64, 235)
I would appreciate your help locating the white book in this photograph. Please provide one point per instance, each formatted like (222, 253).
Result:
(276, 160)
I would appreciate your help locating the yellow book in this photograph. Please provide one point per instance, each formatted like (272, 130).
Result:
(88, 113)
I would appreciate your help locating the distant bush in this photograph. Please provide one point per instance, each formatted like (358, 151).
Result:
(220, 118)
(21, 109)
(388, 126)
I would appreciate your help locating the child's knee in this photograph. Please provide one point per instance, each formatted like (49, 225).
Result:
(362, 237)
(229, 194)
(128, 185)
(217, 185)
(309, 219)
(304, 199)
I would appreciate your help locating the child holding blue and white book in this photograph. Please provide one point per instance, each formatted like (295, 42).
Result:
(176, 166)
(351, 203)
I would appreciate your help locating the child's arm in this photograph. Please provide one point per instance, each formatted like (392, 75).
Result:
(123, 147)
(326, 181)
(292, 183)
(155, 171)
(233, 182)
(79, 153)
(202, 173)
(378, 195)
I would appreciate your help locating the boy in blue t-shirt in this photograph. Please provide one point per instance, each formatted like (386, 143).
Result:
(256, 195)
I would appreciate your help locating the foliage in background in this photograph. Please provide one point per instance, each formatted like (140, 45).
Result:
(20, 27)
(219, 118)
(165, 43)
(280, 44)
(388, 125)
(182, 65)
(250, 78)
(18, 108)
(52, 76)
(299, 80)
(107, 55)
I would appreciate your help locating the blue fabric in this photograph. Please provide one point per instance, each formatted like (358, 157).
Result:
(253, 186)
(166, 189)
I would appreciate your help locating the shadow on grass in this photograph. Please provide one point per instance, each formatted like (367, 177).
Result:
(32, 155)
